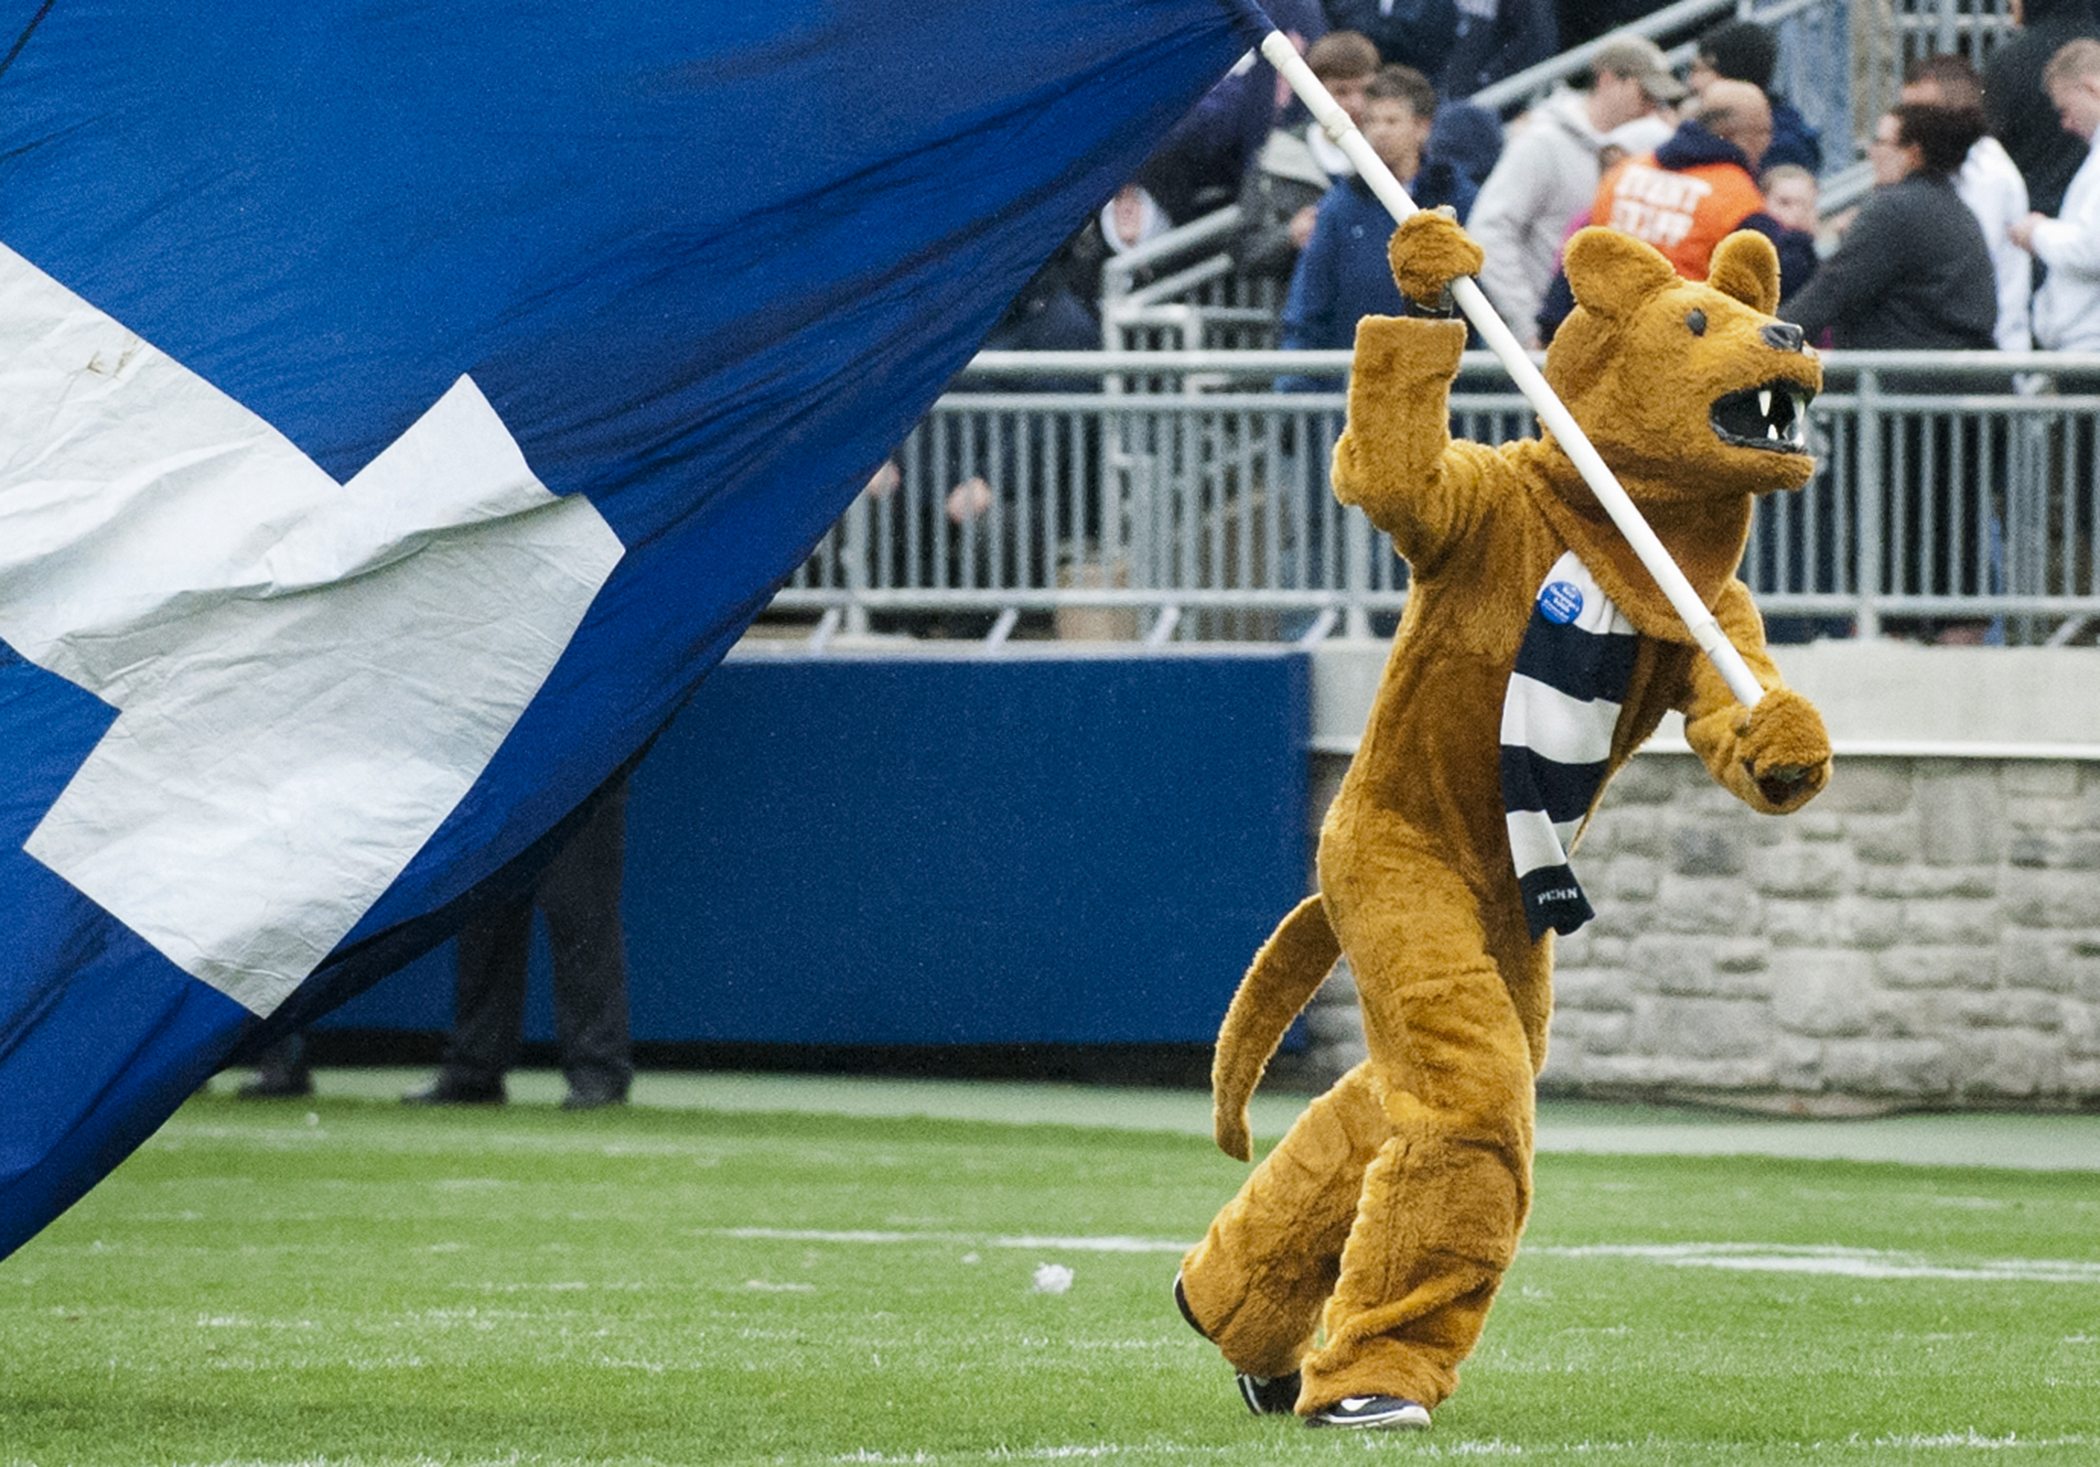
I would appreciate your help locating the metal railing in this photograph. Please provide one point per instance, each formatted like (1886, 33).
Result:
(1181, 497)
(1182, 292)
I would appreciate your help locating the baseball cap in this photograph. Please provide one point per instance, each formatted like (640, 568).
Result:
(1643, 61)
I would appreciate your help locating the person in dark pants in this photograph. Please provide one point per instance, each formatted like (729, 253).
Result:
(1914, 274)
(281, 1071)
(580, 894)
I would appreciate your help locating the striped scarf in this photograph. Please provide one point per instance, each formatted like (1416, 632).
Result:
(1563, 703)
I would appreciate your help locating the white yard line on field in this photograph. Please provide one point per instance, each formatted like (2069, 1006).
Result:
(1858, 1263)
(1068, 1245)
(1831, 1260)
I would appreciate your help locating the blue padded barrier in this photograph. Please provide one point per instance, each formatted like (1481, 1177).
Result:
(946, 850)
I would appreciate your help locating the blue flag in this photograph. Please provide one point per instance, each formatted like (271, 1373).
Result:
(404, 406)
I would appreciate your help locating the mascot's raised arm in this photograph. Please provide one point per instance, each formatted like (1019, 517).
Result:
(1536, 654)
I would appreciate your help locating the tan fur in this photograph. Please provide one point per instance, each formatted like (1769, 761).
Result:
(1390, 1212)
(1282, 980)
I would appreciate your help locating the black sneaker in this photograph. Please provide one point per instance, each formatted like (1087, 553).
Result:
(1365, 1412)
(277, 1084)
(445, 1090)
(1265, 1395)
(593, 1097)
(1270, 1395)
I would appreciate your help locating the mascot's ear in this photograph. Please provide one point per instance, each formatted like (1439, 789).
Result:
(1746, 266)
(1612, 273)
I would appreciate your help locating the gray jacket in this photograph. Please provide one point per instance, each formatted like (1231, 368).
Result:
(1546, 176)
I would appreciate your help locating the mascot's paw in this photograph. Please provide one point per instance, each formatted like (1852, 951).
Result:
(1428, 252)
(1784, 748)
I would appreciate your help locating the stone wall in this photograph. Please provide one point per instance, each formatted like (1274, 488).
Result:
(1926, 933)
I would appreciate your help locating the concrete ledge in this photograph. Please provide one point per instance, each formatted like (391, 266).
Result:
(1879, 697)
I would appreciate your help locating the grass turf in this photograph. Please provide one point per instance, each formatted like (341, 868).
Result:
(354, 1282)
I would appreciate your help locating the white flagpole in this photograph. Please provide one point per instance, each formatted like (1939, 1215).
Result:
(1705, 629)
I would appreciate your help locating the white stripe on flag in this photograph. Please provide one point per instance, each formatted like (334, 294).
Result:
(1540, 717)
(309, 675)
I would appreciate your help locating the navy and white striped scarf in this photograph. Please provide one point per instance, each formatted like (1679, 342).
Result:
(1563, 703)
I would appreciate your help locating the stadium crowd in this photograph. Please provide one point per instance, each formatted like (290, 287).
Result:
(1985, 182)
(1982, 230)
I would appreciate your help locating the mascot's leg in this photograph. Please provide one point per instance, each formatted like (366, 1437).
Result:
(1257, 1281)
(1454, 1021)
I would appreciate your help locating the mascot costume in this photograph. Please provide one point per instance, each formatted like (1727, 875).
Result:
(1354, 1270)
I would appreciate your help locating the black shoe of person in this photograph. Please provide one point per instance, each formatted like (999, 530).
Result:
(1265, 1395)
(448, 1090)
(275, 1082)
(1369, 1412)
(593, 1097)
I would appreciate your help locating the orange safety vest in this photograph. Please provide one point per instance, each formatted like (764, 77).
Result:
(1684, 213)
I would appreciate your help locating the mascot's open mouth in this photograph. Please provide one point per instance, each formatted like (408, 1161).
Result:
(1774, 416)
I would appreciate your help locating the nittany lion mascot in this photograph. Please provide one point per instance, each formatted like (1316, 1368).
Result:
(1354, 1270)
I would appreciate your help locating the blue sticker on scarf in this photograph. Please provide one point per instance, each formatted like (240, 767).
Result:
(1560, 602)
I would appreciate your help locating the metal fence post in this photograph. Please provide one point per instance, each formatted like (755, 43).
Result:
(856, 548)
(1867, 430)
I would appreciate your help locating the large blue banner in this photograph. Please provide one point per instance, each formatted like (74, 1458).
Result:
(404, 406)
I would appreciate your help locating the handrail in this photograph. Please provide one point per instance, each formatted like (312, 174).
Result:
(1119, 271)
(1210, 267)
(1532, 79)
(1256, 365)
(1522, 85)
(1841, 190)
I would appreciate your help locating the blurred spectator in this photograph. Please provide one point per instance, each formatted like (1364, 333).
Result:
(1344, 274)
(2067, 307)
(1989, 184)
(1495, 39)
(1054, 311)
(1693, 192)
(1469, 138)
(1346, 60)
(281, 1071)
(1743, 50)
(1791, 196)
(1198, 166)
(1912, 273)
(2017, 106)
(1416, 33)
(1549, 169)
(1131, 218)
(1795, 547)
(579, 891)
(1281, 192)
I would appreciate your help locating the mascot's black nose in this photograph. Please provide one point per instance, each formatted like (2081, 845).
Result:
(1781, 336)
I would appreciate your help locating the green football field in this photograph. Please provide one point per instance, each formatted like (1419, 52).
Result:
(753, 1271)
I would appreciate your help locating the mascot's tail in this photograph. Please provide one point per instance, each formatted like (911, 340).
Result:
(1281, 980)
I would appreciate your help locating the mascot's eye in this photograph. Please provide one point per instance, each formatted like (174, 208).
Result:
(1697, 322)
